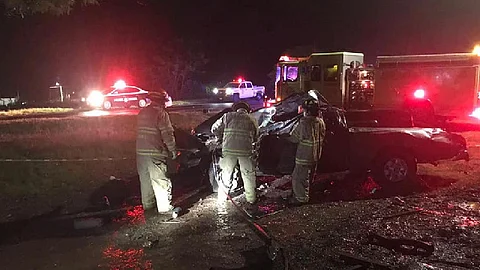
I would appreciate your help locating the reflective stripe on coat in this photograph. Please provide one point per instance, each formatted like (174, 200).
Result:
(237, 131)
(155, 136)
(309, 135)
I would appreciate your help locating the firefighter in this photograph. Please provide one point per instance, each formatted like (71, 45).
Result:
(155, 145)
(237, 131)
(309, 135)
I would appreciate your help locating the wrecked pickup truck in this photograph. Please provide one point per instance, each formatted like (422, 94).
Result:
(386, 143)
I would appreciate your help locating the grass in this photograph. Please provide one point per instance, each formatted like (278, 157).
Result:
(33, 111)
(70, 138)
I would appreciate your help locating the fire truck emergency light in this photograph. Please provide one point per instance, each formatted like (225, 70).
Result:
(419, 93)
(476, 50)
(476, 113)
(120, 84)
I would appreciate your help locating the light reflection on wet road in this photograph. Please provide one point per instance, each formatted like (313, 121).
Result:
(125, 259)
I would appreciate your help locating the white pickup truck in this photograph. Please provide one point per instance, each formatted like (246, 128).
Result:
(238, 90)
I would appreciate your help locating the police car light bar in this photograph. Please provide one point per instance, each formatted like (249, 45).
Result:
(120, 84)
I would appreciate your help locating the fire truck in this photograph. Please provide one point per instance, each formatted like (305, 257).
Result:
(448, 83)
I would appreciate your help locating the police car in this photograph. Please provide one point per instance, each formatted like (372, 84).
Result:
(122, 95)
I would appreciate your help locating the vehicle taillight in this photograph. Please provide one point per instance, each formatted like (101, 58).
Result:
(279, 99)
(419, 93)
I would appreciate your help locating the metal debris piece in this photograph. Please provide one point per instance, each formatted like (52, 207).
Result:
(399, 200)
(176, 212)
(404, 246)
(150, 243)
(106, 200)
(458, 264)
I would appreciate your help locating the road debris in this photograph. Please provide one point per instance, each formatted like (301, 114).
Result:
(404, 246)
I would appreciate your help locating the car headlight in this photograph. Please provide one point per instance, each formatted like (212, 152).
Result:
(95, 99)
(215, 91)
(229, 91)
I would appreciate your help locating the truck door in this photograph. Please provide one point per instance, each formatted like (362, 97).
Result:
(242, 90)
(249, 90)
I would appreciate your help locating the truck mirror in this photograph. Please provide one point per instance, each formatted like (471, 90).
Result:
(354, 64)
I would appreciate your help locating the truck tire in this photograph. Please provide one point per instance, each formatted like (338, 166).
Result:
(236, 98)
(395, 169)
(259, 96)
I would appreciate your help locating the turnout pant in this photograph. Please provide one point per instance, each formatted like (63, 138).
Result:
(247, 170)
(302, 176)
(155, 185)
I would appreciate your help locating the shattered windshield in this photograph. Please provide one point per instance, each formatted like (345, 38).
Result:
(290, 105)
(285, 112)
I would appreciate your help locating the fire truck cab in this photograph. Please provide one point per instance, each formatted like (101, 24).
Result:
(325, 72)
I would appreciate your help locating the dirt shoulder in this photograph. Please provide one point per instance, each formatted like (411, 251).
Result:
(442, 211)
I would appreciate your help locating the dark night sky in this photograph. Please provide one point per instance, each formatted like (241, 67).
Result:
(239, 37)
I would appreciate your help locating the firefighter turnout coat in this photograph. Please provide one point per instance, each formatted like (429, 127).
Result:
(309, 135)
(237, 131)
(155, 136)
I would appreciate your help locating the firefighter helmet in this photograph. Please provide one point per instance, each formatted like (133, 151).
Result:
(311, 107)
(159, 97)
(241, 105)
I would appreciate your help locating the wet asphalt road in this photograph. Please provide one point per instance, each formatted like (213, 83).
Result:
(206, 235)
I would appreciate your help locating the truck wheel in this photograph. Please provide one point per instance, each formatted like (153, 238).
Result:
(394, 169)
(259, 96)
(107, 105)
(236, 98)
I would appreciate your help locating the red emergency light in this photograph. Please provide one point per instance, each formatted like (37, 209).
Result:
(239, 80)
(419, 93)
(476, 113)
(120, 84)
(284, 58)
(476, 50)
